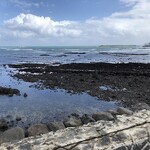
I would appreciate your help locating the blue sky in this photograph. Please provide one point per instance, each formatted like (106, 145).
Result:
(61, 9)
(74, 22)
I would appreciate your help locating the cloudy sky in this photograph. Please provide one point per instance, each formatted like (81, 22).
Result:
(74, 22)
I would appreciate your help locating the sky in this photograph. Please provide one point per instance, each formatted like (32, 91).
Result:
(74, 22)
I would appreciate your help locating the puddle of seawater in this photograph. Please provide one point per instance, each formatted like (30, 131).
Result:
(49, 104)
(113, 89)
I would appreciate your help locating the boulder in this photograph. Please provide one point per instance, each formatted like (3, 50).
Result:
(122, 110)
(103, 116)
(87, 119)
(72, 121)
(37, 129)
(54, 126)
(11, 135)
(140, 106)
(113, 112)
(3, 124)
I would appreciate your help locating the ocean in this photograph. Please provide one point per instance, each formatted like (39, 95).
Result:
(56, 104)
(63, 55)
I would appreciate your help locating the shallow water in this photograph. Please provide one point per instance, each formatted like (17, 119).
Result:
(57, 104)
(46, 104)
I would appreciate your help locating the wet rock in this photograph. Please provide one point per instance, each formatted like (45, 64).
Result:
(122, 111)
(140, 106)
(18, 118)
(103, 116)
(3, 124)
(72, 121)
(13, 134)
(10, 95)
(44, 55)
(16, 91)
(37, 129)
(9, 91)
(25, 95)
(54, 126)
(87, 119)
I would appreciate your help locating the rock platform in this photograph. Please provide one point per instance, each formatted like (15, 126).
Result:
(124, 133)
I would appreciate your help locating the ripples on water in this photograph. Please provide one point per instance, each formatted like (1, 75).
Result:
(114, 54)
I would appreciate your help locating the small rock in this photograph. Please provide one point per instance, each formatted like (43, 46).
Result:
(72, 121)
(10, 95)
(16, 91)
(13, 134)
(37, 129)
(18, 118)
(25, 94)
(122, 111)
(86, 119)
(103, 116)
(44, 55)
(3, 124)
(54, 126)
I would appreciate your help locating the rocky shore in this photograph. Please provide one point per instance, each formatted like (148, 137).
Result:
(125, 83)
(127, 131)
(9, 132)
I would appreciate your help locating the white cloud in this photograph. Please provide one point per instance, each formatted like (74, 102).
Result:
(30, 25)
(130, 27)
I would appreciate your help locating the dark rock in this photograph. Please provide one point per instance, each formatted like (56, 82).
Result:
(3, 124)
(86, 119)
(8, 91)
(54, 126)
(13, 134)
(140, 106)
(122, 111)
(37, 129)
(16, 91)
(72, 121)
(18, 118)
(44, 55)
(10, 95)
(25, 95)
(103, 116)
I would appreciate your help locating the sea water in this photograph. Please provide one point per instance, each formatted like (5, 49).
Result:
(54, 55)
(57, 104)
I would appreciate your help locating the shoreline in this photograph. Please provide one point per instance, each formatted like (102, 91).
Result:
(124, 83)
(126, 132)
